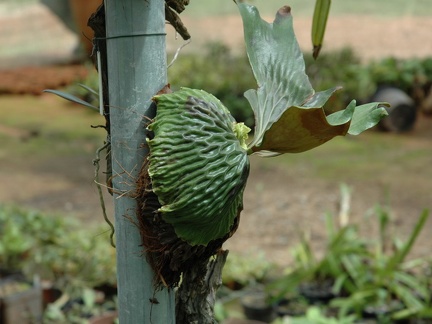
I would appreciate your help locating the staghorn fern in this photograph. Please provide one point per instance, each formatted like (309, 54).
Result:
(191, 186)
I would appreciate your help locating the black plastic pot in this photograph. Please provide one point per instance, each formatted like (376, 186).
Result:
(317, 292)
(291, 307)
(377, 312)
(256, 307)
(402, 112)
(50, 295)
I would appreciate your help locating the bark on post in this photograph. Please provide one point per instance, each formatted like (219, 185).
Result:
(136, 71)
(196, 296)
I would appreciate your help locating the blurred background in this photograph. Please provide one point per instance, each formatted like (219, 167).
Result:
(379, 50)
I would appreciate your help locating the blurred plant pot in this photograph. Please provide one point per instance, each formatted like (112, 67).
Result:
(384, 310)
(256, 307)
(291, 307)
(234, 285)
(109, 290)
(402, 113)
(81, 12)
(20, 302)
(317, 292)
(49, 294)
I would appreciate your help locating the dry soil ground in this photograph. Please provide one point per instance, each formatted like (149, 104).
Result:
(280, 202)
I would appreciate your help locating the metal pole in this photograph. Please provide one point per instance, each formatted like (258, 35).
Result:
(136, 71)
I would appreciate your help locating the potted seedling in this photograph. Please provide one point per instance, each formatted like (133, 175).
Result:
(256, 306)
(86, 307)
(384, 283)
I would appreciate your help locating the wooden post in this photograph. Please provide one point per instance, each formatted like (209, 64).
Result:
(136, 71)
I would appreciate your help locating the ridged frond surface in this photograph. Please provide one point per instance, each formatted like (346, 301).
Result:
(197, 167)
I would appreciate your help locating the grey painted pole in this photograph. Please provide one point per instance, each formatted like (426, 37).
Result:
(136, 71)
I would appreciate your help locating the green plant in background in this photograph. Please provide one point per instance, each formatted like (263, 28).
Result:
(55, 249)
(385, 282)
(13, 245)
(76, 260)
(403, 74)
(329, 273)
(25, 231)
(246, 270)
(316, 315)
(362, 275)
(63, 311)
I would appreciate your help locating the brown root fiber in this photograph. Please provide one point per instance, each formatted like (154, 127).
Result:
(168, 255)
